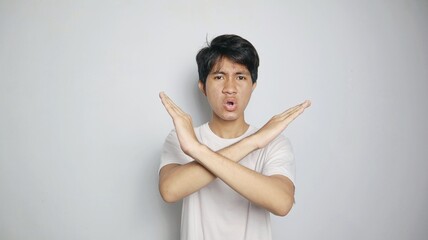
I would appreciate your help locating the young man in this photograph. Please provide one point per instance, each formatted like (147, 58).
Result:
(229, 174)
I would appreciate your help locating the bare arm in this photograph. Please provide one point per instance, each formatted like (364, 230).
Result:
(178, 181)
(275, 193)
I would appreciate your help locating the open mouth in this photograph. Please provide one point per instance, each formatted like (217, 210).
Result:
(230, 104)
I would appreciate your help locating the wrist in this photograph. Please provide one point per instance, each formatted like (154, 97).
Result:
(196, 150)
(251, 141)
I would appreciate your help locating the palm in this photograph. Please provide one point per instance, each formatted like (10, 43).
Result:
(278, 123)
(182, 123)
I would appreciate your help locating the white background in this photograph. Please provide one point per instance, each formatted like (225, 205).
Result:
(82, 127)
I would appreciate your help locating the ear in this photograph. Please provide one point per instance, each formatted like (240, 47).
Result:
(254, 86)
(202, 87)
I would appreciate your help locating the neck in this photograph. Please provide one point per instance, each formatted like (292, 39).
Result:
(228, 129)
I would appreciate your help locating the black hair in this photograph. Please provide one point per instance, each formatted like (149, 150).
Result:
(230, 46)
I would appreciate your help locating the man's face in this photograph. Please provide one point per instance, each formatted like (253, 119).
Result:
(228, 89)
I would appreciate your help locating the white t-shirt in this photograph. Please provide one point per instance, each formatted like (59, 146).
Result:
(217, 212)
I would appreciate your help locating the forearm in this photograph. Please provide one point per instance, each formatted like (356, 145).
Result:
(178, 181)
(273, 193)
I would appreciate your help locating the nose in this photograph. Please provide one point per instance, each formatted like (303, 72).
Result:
(229, 87)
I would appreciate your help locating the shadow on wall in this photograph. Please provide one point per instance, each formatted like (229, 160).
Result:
(203, 110)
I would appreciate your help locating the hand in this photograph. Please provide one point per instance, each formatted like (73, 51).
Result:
(182, 123)
(277, 124)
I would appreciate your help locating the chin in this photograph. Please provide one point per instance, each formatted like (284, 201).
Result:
(227, 116)
(230, 117)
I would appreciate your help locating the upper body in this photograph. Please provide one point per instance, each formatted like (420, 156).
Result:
(227, 77)
(210, 212)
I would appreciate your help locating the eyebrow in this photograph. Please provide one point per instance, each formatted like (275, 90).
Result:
(242, 73)
(237, 73)
(218, 72)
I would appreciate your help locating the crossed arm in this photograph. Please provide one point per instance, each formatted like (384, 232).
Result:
(274, 193)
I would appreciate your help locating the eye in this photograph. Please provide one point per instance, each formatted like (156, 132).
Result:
(240, 77)
(218, 77)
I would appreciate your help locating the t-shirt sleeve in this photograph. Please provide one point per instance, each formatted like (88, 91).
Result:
(172, 153)
(280, 159)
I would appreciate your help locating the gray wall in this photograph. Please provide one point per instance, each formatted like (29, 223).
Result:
(81, 125)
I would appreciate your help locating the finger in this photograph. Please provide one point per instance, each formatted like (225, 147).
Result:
(168, 104)
(289, 111)
(296, 113)
(172, 108)
(167, 100)
(307, 103)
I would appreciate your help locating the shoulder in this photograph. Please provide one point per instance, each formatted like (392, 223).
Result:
(281, 143)
(281, 139)
(173, 132)
(172, 135)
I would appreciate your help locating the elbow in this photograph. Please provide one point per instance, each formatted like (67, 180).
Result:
(283, 208)
(167, 194)
(282, 212)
